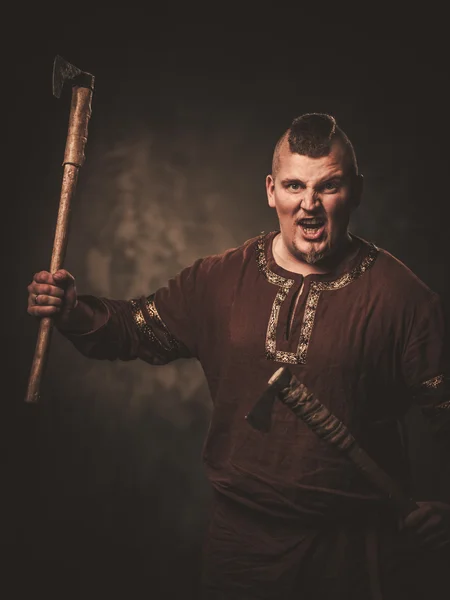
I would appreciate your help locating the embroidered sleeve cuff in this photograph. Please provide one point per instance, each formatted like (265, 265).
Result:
(433, 395)
(153, 331)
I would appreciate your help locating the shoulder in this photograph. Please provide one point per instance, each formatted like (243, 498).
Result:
(212, 279)
(229, 260)
(397, 290)
(396, 276)
(214, 267)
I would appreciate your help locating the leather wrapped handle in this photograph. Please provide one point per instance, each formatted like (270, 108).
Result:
(330, 429)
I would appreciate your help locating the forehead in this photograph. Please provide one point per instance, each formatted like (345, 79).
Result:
(298, 166)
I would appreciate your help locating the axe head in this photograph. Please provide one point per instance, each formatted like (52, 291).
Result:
(260, 415)
(64, 71)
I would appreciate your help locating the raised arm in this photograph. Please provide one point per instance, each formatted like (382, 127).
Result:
(110, 329)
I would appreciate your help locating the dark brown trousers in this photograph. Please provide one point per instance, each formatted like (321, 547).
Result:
(249, 556)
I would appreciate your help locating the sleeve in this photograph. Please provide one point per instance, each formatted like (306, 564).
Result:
(426, 367)
(158, 328)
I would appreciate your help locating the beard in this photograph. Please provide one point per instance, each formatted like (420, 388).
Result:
(312, 256)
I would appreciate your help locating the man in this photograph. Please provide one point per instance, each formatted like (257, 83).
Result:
(292, 518)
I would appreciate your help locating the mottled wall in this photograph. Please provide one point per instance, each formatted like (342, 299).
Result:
(105, 492)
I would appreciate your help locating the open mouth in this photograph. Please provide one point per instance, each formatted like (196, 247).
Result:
(312, 227)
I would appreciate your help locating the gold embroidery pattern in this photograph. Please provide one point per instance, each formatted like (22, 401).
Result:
(443, 405)
(271, 351)
(429, 386)
(312, 302)
(262, 265)
(285, 285)
(317, 287)
(171, 343)
(434, 383)
(308, 322)
(138, 318)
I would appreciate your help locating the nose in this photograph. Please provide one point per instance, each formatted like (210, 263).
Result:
(309, 200)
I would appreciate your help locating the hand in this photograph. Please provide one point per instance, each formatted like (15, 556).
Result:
(52, 295)
(429, 524)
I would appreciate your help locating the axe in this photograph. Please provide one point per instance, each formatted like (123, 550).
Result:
(80, 112)
(285, 386)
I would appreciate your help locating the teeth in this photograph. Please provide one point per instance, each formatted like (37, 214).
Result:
(311, 223)
(311, 226)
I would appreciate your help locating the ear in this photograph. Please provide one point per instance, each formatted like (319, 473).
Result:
(358, 187)
(270, 190)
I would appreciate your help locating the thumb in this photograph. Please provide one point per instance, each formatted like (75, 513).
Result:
(66, 281)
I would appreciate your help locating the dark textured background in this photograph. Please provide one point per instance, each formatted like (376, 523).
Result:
(103, 490)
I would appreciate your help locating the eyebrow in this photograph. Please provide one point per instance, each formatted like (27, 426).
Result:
(336, 177)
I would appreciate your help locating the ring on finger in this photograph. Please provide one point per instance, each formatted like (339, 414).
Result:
(35, 298)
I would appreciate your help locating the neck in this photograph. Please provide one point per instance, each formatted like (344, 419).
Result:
(292, 263)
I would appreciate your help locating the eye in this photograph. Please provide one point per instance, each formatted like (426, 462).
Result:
(331, 186)
(293, 186)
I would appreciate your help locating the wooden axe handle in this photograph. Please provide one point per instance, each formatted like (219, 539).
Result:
(330, 429)
(80, 113)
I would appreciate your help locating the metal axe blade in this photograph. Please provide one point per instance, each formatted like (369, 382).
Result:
(260, 415)
(64, 71)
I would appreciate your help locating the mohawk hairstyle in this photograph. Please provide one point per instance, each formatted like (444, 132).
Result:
(313, 135)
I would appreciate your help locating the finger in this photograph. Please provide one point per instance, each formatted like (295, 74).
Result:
(417, 516)
(63, 277)
(67, 281)
(31, 300)
(43, 311)
(45, 289)
(431, 524)
(43, 300)
(43, 277)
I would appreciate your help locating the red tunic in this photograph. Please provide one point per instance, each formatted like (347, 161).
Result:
(367, 339)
